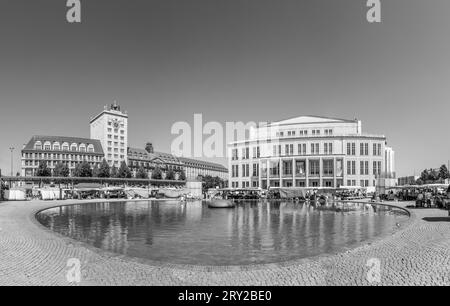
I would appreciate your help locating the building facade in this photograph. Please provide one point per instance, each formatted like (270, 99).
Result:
(109, 140)
(193, 168)
(55, 149)
(408, 180)
(110, 127)
(310, 151)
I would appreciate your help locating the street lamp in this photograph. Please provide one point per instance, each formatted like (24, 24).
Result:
(12, 150)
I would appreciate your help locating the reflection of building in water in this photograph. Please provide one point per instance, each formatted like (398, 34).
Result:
(115, 238)
(193, 211)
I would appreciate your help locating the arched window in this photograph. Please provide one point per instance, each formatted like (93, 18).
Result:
(56, 146)
(38, 145)
(73, 147)
(47, 146)
(82, 147)
(65, 146)
(90, 148)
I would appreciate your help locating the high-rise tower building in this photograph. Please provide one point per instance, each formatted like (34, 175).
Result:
(111, 128)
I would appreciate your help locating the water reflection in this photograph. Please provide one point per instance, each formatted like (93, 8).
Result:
(194, 234)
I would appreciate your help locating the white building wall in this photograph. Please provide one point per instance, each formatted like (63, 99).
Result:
(342, 133)
(103, 126)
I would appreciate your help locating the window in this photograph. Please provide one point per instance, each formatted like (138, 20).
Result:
(315, 149)
(234, 154)
(314, 167)
(328, 148)
(287, 167)
(351, 167)
(274, 168)
(289, 149)
(328, 167)
(255, 170)
(364, 149)
(300, 167)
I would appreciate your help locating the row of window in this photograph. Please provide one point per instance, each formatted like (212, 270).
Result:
(314, 132)
(48, 146)
(116, 137)
(122, 132)
(50, 163)
(288, 169)
(314, 149)
(363, 167)
(288, 183)
(299, 183)
(116, 144)
(364, 149)
(57, 156)
(362, 183)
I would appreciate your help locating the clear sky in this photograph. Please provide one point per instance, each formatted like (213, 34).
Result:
(231, 60)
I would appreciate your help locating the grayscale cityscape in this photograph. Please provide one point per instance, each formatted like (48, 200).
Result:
(224, 143)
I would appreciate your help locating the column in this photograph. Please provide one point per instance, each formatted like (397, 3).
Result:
(320, 171)
(307, 172)
(293, 172)
(334, 172)
(280, 163)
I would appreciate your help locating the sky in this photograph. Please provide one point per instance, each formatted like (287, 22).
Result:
(230, 60)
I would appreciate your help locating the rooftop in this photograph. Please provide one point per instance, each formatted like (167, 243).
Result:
(169, 158)
(62, 139)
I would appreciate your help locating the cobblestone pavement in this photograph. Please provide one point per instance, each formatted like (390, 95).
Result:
(419, 254)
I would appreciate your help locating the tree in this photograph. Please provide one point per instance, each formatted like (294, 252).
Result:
(141, 173)
(170, 175)
(83, 169)
(124, 171)
(61, 170)
(114, 172)
(149, 147)
(157, 173)
(182, 175)
(433, 175)
(104, 170)
(43, 170)
(443, 172)
(95, 171)
(209, 182)
(424, 175)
